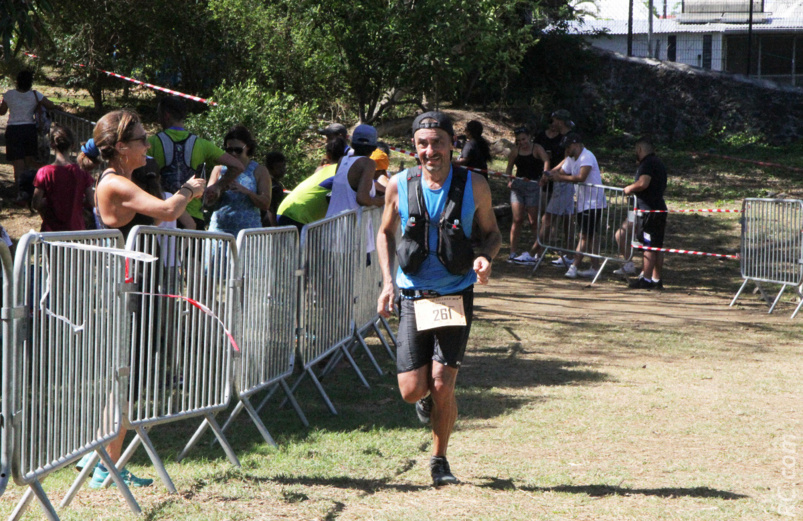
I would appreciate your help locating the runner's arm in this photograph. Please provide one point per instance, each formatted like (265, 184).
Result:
(489, 235)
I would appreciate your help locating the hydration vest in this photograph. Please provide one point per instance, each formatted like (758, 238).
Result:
(178, 158)
(454, 247)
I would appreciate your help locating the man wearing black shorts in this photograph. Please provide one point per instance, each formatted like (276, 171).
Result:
(649, 187)
(438, 266)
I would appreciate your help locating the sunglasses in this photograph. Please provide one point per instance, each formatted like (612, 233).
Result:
(234, 150)
(143, 139)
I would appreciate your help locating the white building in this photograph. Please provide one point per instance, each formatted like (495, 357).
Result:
(710, 34)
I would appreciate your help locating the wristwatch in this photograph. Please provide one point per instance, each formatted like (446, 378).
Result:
(488, 257)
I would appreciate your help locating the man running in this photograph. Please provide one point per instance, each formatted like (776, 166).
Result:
(438, 206)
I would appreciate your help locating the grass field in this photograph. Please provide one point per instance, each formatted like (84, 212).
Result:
(576, 402)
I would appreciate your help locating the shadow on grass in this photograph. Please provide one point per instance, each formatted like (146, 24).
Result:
(480, 393)
(369, 486)
(610, 490)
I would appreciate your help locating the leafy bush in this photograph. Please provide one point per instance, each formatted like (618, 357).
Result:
(278, 122)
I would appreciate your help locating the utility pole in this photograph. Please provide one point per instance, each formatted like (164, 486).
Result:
(630, 29)
(749, 39)
(649, 31)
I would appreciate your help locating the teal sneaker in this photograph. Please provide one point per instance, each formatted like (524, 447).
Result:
(83, 462)
(129, 479)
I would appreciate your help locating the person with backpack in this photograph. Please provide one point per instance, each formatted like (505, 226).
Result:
(439, 207)
(22, 104)
(181, 155)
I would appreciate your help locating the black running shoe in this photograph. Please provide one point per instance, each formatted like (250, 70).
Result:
(641, 283)
(441, 473)
(423, 408)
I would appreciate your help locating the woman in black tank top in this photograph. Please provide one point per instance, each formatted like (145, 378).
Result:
(530, 160)
(121, 142)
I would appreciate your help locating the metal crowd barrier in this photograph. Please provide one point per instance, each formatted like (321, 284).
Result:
(68, 368)
(81, 128)
(558, 228)
(180, 355)
(366, 287)
(6, 354)
(329, 252)
(266, 321)
(368, 283)
(772, 245)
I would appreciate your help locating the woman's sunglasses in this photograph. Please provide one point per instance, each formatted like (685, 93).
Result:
(234, 150)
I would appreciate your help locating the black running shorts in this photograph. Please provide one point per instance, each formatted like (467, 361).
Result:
(588, 221)
(651, 229)
(21, 142)
(445, 345)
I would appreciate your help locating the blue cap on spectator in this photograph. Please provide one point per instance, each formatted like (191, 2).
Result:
(364, 135)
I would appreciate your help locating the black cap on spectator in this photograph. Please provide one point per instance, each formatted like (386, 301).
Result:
(571, 138)
(335, 129)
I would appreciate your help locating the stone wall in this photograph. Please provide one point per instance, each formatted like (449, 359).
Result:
(670, 102)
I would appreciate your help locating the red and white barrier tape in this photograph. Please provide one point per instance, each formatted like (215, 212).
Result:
(129, 279)
(709, 210)
(198, 305)
(687, 252)
(142, 83)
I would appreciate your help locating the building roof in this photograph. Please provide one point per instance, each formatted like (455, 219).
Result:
(611, 16)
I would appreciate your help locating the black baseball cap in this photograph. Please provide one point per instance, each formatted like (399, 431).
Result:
(571, 138)
(334, 129)
(438, 120)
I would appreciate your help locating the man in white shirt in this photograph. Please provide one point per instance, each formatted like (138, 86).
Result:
(581, 166)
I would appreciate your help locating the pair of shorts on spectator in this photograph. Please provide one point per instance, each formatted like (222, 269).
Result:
(651, 229)
(524, 192)
(21, 142)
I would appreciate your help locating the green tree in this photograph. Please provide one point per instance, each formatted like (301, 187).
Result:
(176, 44)
(277, 121)
(21, 24)
(375, 54)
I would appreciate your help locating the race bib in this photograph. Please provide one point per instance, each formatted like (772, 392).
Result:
(439, 312)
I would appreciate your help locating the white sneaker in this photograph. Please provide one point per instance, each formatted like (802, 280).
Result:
(628, 269)
(562, 262)
(590, 273)
(525, 258)
(511, 257)
(572, 273)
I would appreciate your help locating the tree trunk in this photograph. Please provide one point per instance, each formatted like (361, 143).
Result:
(96, 91)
